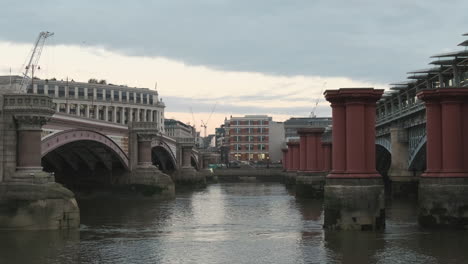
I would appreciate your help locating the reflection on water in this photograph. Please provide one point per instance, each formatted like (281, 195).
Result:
(230, 223)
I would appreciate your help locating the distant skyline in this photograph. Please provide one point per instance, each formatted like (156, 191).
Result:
(248, 57)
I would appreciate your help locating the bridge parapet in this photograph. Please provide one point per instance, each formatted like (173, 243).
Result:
(144, 126)
(28, 105)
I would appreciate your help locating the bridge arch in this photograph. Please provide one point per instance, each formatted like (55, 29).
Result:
(194, 161)
(417, 157)
(163, 156)
(56, 140)
(383, 159)
(84, 159)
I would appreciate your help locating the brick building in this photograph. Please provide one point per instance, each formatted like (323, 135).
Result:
(255, 138)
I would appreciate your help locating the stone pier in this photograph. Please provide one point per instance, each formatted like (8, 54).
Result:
(354, 191)
(289, 177)
(293, 161)
(443, 187)
(146, 178)
(310, 179)
(187, 175)
(403, 182)
(29, 197)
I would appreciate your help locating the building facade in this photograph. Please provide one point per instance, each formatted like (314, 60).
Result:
(177, 129)
(250, 138)
(104, 102)
(294, 123)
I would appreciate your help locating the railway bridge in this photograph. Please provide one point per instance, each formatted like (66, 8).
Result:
(64, 137)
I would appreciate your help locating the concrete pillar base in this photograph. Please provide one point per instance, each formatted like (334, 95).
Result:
(354, 204)
(310, 184)
(152, 183)
(290, 177)
(32, 176)
(27, 206)
(404, 185)
(443, 202)
(209, 175)
(189, 176)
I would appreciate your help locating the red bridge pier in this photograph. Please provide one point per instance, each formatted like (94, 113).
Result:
(310, 179)
(443, 187)
(354, 191)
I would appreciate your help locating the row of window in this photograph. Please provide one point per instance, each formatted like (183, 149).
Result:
(249, 147)
(249, 123)
(249, 130)
(101, 94)
(249, 138)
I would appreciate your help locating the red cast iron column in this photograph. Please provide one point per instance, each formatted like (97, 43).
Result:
(285, 158)
(353, 132)
(326, 148)
(303, 153)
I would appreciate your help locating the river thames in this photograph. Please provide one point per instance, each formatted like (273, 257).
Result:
(230, 223)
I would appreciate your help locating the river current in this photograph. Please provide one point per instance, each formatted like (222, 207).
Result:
(230, 223)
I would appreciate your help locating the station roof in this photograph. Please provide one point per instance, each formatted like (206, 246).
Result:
(406, 83)
(442, 62)
(464, 43)
(460, 53)
(418, 77)
(430, 70)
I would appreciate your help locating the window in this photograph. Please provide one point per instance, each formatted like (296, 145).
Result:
(138, 98)
(249, 147)
(81, 92)
(71, 91)
(40, 89)
(261, 147)
(132, 98)
(116, 96)
(237, 147)
(250, 130)
(108, 96)
(99, 94)
(124, 96)
(250, 138)
(90, 93)
(61, 91)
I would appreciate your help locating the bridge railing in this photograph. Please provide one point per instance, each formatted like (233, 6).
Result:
(416, 107)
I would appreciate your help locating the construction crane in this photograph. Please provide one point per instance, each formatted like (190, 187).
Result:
(312, 114)
(204, 124)
(33, 61)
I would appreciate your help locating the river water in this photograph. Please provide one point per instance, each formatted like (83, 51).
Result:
(230, 223)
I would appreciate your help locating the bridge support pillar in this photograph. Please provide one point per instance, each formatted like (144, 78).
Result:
(145, 177)
(354, 192)
(327, 156)
(293, 161)
(289, 177)
(32, 199)
(443, 186)
(187, 174)
(310, 179)
(403, 182)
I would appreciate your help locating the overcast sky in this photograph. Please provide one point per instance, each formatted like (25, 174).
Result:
(247, 57)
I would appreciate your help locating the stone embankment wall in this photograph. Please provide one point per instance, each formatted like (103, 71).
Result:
(249, 175)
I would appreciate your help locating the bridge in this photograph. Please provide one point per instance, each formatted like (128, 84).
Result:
(412, 135)
(85, 137)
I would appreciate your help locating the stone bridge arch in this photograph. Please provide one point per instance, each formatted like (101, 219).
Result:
(194, 160)
(56, 140)
(164, 155)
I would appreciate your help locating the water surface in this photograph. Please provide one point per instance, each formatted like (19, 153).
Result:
(230, 223)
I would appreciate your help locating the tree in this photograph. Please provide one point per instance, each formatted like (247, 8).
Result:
(92, 80)
(102, 81)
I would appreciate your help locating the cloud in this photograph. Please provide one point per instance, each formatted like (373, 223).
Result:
(184, 87)
(372, 41)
